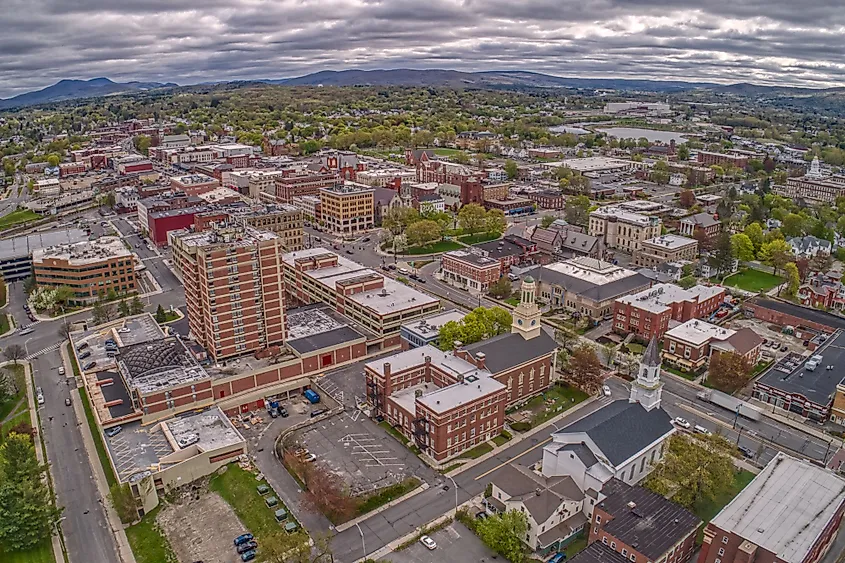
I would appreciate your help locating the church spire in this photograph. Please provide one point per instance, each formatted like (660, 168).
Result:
(526, 316)
(647, 388)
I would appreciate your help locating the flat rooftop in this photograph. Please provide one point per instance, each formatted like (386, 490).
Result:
(595, 164)
(815, 315)
(671, 242)
(785, 508)
(698, 332)
(790, 374)
(474, 258)
(591, 270)
(660, 297)
(86, 252)
(617, 212)
(315, 327)
(224, 236)
(430, 326)
(23, 246)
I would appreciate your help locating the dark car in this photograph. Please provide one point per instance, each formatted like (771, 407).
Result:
(746, 452)
(365, 239)
(481, 515)
(243, 538)
(317, 413)
(283, 412)
(89, 365)
(248, 556)
(248, 546)
(86, 354)
(420, 280)
(392, 266)
(349, 252)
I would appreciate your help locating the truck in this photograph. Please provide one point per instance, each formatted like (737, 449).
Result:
(730, 403)
(312, 396)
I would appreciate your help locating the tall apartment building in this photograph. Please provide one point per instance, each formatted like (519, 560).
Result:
(90, 268)
(262, 181)
(647, 313)
(347, 209)
(233, 287)
(813, 189)
(286, 221)
(665, 248)
(623, 229)
(721, 159)
(379, 304)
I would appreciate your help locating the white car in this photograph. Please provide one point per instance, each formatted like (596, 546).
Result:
(428, 542)
(606, 390)
(61, 370)
(682, 423)
(310, 457)
(698, 429)
(124, 330)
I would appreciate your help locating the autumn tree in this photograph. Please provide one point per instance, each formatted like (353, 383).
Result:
(325, 492)
(687, 198)
(472, 218)
(585, 368)
(503, 534)
(728, 371)
(693, 471)
(14, 353)
(821, 262)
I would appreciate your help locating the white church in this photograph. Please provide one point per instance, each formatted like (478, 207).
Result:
(622, 441)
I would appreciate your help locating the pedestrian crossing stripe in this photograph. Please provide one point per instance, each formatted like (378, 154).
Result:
(43, 351)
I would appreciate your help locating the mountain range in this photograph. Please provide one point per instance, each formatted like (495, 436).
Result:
(76, 89)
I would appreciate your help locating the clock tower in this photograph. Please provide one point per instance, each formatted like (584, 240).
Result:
(526, 316)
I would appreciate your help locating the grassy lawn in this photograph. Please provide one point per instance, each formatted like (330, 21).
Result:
(635, 348)
(502, 438)
(553, 402)
(707, 510)
(387, 494)
(4, 323)
(753, 280)
(512, 301)
(7, 407)
(447, 152)
(18, 217)
(477, 451)
(477, 238)
(3, 294)
(679, 373)
(575, 546)
(148, 543)
(41, 554)
(441, 246)
(393, 432)
(760, 367)
(170, 316)
(237, 487)
(95, 431)
(21, 416)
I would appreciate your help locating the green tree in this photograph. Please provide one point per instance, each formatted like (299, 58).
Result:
(477, 325)
(692, 473)
(398, 219)
(794, 225)
(793, 280)
(27, 512)
(502, 288)
(728, 371)
(722, 256)
(503, 534)
(495, 222)
(142, 144)
(472, 218)
(547, 220)
(124, 502)
(743, 248)
(423, 233)
(577, 210)
(123, 308)
(754, 232)
(136, 307)
(776, 254)
(53, 160)
(683, 152)
(511, 169)
(161, 316)
(9, 167)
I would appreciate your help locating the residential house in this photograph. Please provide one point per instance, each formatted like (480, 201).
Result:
(823, 290)
(809, 246)
(688, 346)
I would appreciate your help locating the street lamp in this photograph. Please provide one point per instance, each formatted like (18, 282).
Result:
(455, 485)
(363, 545)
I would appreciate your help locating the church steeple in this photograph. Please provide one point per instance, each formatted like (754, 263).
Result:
(647, 389)
(526, 316)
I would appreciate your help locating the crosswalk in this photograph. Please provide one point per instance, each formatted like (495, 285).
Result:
(50, 348)
(22, 327)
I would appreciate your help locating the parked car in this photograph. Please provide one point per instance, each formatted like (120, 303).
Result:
(310, 457)
(67, 401)
(481, 515)
(89, 365)
(248, 546)
(365, 239)
(349, 252)
(86, 354)
(82, 346)
(428, 542)
(124, 330)
(404, 271)
(248, 556)
(746, 452)
(113, 431)
(40, 399)
(698, 429)
(606, 390)
(317, 413)
(513, 277)
(784, 348)
(682, 422)
(61, 370)
(241, 539)
(283, 412)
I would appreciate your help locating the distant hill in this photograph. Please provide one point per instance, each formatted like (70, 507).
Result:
(454, 78)
(74, 89)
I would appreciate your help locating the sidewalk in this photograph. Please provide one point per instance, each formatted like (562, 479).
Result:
(40, 454)
(766, 410)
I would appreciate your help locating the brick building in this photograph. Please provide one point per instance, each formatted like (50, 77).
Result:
(511, 250)
(642, 526)
(700, 225)
(813, 189)
(789, 513)
(345, 164)
(689, 346)
(470, 270)
(647, 313)
(194, 184)
(302, 184)
(91, 268)
(448, 402)
(71, 169)
(348, 209)
(233, 288)
(721, 159)
(665, 248)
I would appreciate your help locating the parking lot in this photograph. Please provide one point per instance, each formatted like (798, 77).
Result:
(770, 333)
(455, 543)
(355, 448)
(347, 383)
(299, 409)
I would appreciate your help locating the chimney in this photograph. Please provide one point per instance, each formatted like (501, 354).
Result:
(388, 383)
(479, 360)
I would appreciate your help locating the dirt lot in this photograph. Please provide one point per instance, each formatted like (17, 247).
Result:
(201, 530)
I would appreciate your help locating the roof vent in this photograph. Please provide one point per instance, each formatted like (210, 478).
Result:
(632, 505)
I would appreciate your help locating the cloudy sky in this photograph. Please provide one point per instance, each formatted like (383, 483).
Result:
(189, 41)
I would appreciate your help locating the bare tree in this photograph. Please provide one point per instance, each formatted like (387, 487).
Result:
(14, 353)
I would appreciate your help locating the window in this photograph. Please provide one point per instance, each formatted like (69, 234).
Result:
(633, 557)
(721, 551)
(718, 561)
(624, 553)
(596, 530)
(725, 540)
(604, 540)
(598, 519)
(613, 545)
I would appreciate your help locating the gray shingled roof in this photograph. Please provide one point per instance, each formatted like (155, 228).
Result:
(621, 429)
(597, 552)
(595, 292)
(509, 350)
(579, 242)
(582, 451)
(652, 354)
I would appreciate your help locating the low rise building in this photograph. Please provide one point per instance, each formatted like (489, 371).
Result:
(665, 248)
(649, 312)
(431, 203)
(194, 184)
(574, 244)
(133, 164)
(789, 513)
(48, 187)
(309, 205)
(823, 290)
(690, 345)
(300, 184)
(348, 209)
(587, 286)
(386, 177)
(622, 229)
(427, 331)
(91, 269)
(812, 189)
(810, 246)
(702, 226)
(721, 159)
(470, 270)
(510, 250)
(67, 169)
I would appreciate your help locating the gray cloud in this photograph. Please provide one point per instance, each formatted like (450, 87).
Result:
(765, 41)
